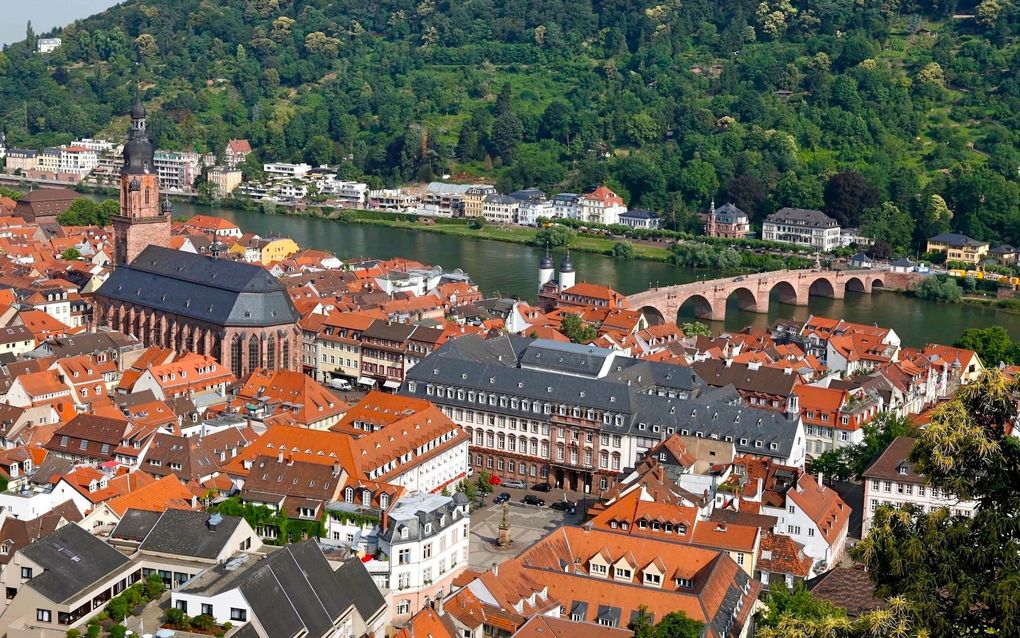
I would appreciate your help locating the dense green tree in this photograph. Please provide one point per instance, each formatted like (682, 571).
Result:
(562, 95)
(70, 254)
(622, 250)
(577, 329)
(960, 573)
(747, 193)
(695, 329)
(554, 237)
(889, 224)
(993, 345)
(847, 195)
(673, 625)
(84, 212)
(849, 462)
(939, 289)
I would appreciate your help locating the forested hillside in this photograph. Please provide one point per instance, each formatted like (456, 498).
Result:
(899, 115)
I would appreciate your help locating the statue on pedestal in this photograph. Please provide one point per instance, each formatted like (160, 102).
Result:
(504, 527)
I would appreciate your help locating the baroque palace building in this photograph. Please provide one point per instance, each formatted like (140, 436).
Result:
(235, 312)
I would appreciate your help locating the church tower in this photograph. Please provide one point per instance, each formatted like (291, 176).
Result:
(142, 221)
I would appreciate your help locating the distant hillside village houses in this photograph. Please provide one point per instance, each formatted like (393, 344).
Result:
(98, 162)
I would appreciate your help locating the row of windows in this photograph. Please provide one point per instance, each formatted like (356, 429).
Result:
(903, 488)
(514, 403)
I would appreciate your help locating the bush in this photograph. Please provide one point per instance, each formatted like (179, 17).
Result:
(73, 633)
(118, 631)
(93, 631)
(204, 622)
(554, 237)
(939, 288)
(177, 618)
(622, 250)
(154, 587)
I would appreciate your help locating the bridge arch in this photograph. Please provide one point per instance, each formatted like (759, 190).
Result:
(856, 284)
(784, 292)
(652, 315)
(876, 282)
(821, 287)
(695, 304)
(745, 298)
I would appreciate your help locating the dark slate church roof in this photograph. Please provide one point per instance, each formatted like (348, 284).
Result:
(219, 291)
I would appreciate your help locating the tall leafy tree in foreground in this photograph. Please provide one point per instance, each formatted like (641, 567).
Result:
(960, 574)
(942, 574)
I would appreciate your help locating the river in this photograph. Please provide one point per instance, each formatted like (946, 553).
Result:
(511, 270)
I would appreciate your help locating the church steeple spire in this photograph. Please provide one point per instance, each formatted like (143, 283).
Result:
(142, 220)
(138, 152)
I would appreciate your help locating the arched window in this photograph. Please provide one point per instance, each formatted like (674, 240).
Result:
(148, 195)
(285, 354)
(271, 352)
(349, 494)
(235, 356)
(253, 353)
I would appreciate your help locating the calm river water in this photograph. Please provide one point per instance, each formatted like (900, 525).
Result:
(511, 270)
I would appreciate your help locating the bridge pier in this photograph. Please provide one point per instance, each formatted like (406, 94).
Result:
(761, 304)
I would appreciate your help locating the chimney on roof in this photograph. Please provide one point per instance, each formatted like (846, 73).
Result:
(821, 481)
(729, 362)
(279, 456)
(336, 469)
(495, 569)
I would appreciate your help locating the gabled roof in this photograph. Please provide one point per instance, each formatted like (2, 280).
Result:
(187, 533)
(74, 561)
(158, 496)
(216, 290)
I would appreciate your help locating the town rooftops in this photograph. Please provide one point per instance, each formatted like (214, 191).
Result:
(294, 591)
(893, 464)
(802, 217)
(73, 561)
(956, 240)
(216, 290)
(848, 588)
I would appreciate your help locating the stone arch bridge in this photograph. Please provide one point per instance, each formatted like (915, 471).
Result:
(755, 292)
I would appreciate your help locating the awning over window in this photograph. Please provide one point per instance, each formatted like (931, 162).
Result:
(392, 385)
(366, 381)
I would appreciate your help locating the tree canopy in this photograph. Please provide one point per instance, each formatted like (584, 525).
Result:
(960, 573)
(809, 103)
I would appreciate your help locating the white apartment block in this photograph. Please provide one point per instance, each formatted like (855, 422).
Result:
(423, 546)
(78, 160)
(892, 480)
(177, 171)
(282, 170)
(802, 227)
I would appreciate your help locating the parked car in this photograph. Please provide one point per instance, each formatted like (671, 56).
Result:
(564, 506)
(514, 483)
(541, 487)
(501, 498)
(531, 499)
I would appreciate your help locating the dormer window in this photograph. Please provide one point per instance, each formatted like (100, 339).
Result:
(623, 573)
(651, 578)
